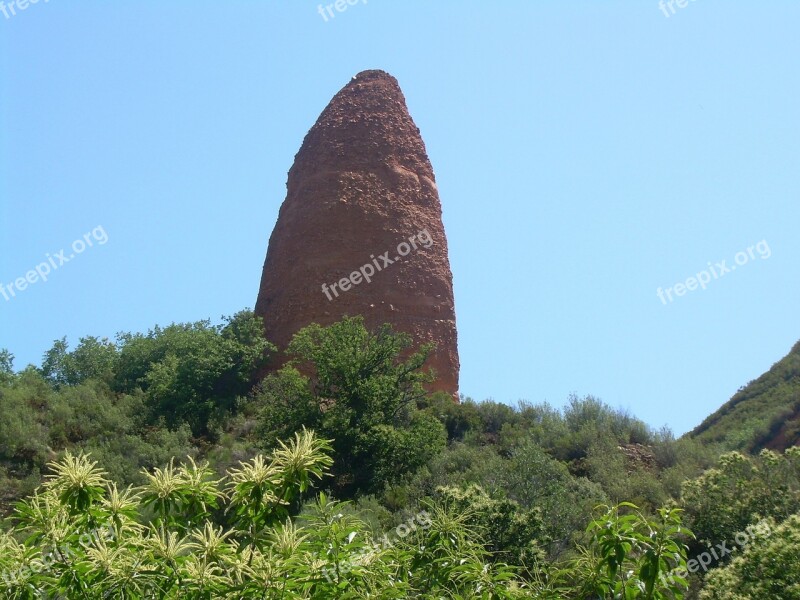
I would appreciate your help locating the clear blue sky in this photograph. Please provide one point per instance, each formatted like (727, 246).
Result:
(586, 152)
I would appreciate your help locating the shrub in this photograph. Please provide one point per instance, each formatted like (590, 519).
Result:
(768, 568)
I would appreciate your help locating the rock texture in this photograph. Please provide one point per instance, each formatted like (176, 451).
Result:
(360, 186)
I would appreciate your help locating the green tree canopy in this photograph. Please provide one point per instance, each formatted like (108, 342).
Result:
(6, 365)
(361, 389)
(193, 372)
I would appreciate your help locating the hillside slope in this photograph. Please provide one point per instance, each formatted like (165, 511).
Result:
(763, 414)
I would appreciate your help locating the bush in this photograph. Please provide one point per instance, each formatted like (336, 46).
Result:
(510, 533)
(739, 491)
(769, 567)
(534, 479)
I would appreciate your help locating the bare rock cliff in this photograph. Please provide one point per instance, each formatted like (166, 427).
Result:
(360, 231)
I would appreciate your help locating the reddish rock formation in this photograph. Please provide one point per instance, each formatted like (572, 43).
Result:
(360, 186)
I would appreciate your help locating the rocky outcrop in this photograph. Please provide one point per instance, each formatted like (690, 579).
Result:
(360, 231)
(638, 457)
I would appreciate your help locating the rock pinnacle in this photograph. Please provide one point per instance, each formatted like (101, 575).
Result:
(360, 231)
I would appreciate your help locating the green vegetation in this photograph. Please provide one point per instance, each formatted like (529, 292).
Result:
(740, 491)
(768, 568)
(84, 538)
(151, 467)
(360, 394)
(763, 414)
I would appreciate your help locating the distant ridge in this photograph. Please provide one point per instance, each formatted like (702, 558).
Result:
(763, 414)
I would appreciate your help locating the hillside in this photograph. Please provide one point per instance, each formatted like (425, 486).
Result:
(338, 474)
(763, 414)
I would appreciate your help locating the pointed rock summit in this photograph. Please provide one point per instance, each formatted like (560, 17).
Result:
(360, 231)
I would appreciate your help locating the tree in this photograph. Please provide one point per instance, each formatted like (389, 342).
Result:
(93, 358)
(193, 372)
(6, 366)
(355, 387)
(56, 363)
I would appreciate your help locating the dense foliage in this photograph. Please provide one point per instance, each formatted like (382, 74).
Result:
(768, 568)
(359, 393)
(383, 490)
(740, 491)
(84, 538)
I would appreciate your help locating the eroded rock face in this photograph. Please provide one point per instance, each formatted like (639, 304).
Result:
(360, 194)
